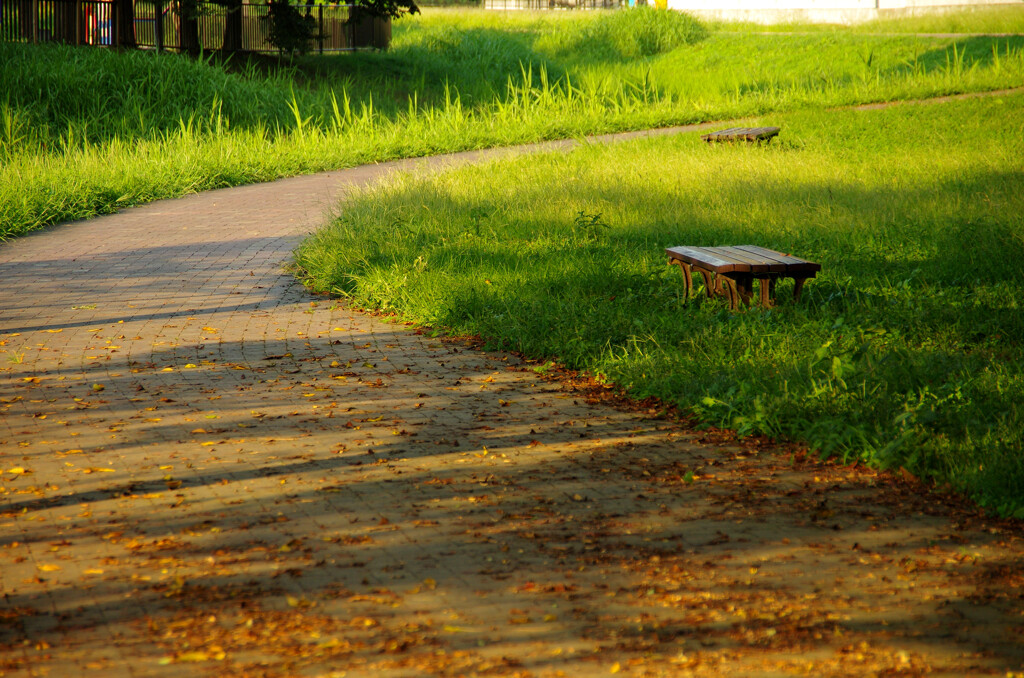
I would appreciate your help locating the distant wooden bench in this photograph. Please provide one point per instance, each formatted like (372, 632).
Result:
(750, 134)
(731, 271)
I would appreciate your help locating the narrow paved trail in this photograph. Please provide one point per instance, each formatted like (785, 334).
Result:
(208, 471)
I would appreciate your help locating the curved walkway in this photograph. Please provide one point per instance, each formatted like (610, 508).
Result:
(208, 471)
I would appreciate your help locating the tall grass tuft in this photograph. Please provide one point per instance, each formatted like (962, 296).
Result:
(642, 32)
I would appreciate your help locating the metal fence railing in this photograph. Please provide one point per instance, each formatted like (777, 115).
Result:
(184, 25)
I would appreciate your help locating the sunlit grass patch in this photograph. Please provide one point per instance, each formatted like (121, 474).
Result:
(906, 351)
(85, 131)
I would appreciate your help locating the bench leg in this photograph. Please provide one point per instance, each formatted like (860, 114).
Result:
(711, 283)
(766, 286)
(732, 293)
(738, 289)
(687, 277)
(798, 286)
(744, 288)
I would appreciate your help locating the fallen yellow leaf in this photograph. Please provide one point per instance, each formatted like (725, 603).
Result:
(616, 667)
(48, 567)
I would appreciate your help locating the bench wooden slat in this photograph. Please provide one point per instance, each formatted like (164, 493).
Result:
(757, 262)
(792, 264)
(745, 133)
(743, 258)
(748, 264)
(700, 256)
(779, 258)
(731, 271)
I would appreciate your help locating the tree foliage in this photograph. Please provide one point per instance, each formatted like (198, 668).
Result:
(288, 29)
(386, 8)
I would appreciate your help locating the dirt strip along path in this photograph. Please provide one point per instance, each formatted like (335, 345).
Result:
(208, 471)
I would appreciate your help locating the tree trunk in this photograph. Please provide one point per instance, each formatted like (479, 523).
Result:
(126, 24)
(25, 14)
(233, 26)
(369, 30)
(188, 26)
(64, 20)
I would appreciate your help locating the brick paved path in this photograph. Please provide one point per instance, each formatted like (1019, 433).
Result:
(207, 471)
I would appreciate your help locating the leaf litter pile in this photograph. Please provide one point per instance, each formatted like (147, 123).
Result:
(312, 492)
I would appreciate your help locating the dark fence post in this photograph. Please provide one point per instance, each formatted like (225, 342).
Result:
(320, 28)
(35, 21)
(158, 28)
(115, 23)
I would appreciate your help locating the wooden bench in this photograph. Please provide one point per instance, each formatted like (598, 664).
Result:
(731, 271)
(749, 134)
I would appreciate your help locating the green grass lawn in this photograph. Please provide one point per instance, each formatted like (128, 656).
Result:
(85, 131)
(905, 351)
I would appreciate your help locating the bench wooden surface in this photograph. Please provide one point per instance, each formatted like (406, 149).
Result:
(730, 271)
(752, 134)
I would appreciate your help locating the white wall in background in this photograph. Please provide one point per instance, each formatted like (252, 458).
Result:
(830, 11)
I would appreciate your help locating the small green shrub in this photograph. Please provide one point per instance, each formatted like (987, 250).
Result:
(477, 61)
(288, 29)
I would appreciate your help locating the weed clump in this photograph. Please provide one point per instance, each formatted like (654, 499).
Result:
(642, 32)
(472, 59)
